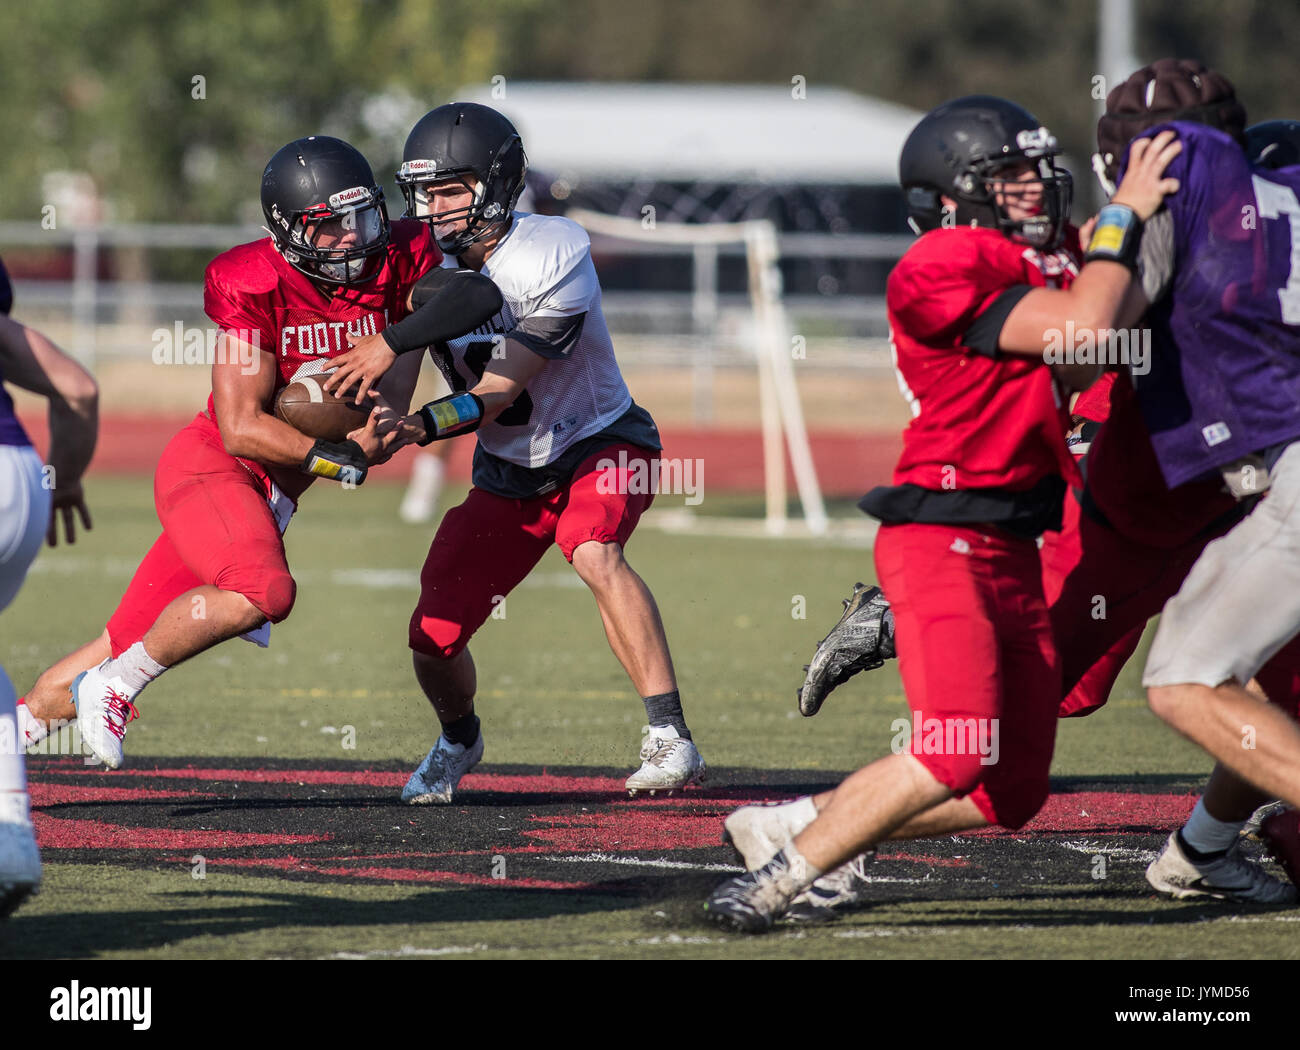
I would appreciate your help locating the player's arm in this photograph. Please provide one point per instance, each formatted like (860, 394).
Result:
(527, 349)
(444, 304)
(243, 380)
(32, 362)
(1105, 296)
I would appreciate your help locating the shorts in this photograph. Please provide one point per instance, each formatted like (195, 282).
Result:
(24, 516)
(976, 658)
(1240, 604)
(218, 529)
(487, 545)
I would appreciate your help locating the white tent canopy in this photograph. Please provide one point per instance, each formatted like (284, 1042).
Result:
(727, 133)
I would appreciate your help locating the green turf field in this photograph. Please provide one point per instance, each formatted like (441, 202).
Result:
(552, 696)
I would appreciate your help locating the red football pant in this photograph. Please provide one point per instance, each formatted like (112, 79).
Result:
(487, 545)
(1103, 588)
(976, 657)
(217, 530)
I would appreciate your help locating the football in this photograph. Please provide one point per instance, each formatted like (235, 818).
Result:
(305, 406)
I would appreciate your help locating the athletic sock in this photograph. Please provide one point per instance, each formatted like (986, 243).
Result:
(798, 874)
(463, 731)
(135, 667)
(665, 709)
(1204, 837)
(798, 814)
(13, 772)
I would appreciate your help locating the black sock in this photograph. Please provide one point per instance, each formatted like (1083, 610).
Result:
(1195, 854)
(462, 731)
(665, 709)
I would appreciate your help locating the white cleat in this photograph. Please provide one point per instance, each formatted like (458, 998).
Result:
(20, 864)
(1230, 878)
(436, 779)
(103, 710)
(668, 762)
(759, 833)
(841, 890)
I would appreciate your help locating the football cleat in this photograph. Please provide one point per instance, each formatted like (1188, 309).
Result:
(755, 900)
(668, 762)
(1281, 834)
(103, 710)
(1229, 878)
(841, 890)
(759, 833)
(862, 641)
(20, 865)
(435, 781)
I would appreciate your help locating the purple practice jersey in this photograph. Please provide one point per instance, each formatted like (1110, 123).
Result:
(1225, 369)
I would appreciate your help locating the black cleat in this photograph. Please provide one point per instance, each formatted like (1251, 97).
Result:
(862, 641)
(751, 902)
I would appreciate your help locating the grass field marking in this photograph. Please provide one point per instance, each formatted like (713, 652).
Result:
(637, 862)
(408, 951)
(1138, 856)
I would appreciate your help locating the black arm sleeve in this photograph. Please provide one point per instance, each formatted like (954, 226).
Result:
(982, 335)
(549, 337)
(448, 304)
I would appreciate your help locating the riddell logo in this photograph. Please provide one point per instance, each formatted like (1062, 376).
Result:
(345, 198)
(418, 167)
(102, 1004)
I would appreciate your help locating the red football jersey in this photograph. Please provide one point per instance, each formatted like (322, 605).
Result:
(1094, 403)
(252, 290)
(977, 421)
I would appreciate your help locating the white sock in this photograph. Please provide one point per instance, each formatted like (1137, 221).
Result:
(135, 667)
(1205, 834)
(801, 874)
(13, 770)
(798, 814)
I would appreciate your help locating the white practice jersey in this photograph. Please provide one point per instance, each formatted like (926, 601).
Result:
(544, 270)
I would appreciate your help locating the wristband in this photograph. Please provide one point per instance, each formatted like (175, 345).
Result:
(452, 415)
(341, 461)
(1116, 237)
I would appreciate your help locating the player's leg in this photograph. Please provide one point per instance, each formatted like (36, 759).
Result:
(1216, 634)
(603, 503)
(950, 656)
(218, 523)
(481, 551)
(24, 515)
(428, 471)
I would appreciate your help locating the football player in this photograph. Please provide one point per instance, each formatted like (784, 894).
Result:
(332, 272)
(29, 491)
(560, 444)
(1128, 538)
(973, 305)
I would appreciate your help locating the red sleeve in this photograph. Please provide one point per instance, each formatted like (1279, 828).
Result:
(233, 308)
(417, 254)
(945, 281)
(1094, 403)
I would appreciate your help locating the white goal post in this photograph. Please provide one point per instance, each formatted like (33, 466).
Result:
(780, 411)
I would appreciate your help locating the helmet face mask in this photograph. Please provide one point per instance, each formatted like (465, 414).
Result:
(475, 148)
(997, 165)
(325, 212)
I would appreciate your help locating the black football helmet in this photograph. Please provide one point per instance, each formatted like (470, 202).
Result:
(318, 189)
(962, 150)
(1274, 144)
(456, 141)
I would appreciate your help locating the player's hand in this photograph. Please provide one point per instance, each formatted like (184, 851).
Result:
(365, 363)
(381, 435)
(66, 499)
(1085, 231)
(1144, 188)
